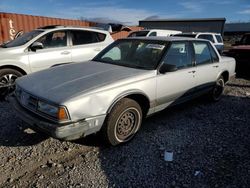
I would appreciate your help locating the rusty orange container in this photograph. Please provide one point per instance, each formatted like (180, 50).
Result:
(11, 24)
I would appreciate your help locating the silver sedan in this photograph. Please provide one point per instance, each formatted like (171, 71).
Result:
(129, 80)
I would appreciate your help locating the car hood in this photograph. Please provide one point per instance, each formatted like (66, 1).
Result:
(60, 83)
(7, 53)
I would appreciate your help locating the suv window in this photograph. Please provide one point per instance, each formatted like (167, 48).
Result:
(179, 54)
(218, 38)
(152, 34)
(54, 39)
(86, 37)
(207, 37)
(202, 53)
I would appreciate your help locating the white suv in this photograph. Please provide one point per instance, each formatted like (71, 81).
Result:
(215, 38)
(47, 47)
(154, 32)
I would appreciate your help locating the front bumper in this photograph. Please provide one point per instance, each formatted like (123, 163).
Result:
(69, 131)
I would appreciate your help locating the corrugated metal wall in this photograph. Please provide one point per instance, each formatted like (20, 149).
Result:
(11, 24)
(187, 25)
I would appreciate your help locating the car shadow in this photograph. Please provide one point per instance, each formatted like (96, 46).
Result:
(14, 132)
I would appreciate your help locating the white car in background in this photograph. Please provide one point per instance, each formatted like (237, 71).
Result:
(47, 47)
(154, 32)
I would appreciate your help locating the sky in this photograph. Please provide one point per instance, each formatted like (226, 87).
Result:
(129, 12)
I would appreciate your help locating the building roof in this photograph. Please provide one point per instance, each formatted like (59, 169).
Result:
(237, 27)
(184, 20)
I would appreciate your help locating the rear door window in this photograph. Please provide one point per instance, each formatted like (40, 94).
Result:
(86, 37)
(202, 53)
(215, 57)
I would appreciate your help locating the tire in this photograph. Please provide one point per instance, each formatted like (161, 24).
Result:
(123, 122)
(218, 89)
(7, 81)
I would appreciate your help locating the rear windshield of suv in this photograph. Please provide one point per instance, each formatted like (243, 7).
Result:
(138, 34)
(219, 38)
(207, 37)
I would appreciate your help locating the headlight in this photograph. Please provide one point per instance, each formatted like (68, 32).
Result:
(53, 111)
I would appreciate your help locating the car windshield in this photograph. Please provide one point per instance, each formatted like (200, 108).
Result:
(26, 37)
(138, 34)
(142, 54)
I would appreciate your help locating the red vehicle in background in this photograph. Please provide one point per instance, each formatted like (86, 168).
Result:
(241, 52)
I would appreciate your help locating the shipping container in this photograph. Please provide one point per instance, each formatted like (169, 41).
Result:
(12, 24)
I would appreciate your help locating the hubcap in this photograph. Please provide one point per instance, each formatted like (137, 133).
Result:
(127, 124)
(7, 84)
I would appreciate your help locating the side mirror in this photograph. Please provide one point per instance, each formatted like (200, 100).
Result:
(36, 46)
(167, 68)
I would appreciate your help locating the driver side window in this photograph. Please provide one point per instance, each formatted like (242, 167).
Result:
(54, 39)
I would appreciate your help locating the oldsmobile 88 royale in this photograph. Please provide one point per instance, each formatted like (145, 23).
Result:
(126, 82)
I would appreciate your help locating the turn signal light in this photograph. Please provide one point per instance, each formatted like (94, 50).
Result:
(62, 114)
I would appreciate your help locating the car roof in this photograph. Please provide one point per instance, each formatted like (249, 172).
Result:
(166, 30)
(60, 27)
(198, 33)
(167, 39)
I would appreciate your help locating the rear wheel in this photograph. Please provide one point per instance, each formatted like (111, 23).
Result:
(218, 89)
(7, 81)
(123, 122)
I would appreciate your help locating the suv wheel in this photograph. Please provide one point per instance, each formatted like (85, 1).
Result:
(123, 122)
(7, 81)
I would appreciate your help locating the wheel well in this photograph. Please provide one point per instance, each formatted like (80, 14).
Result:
(14, 68)
(225, 76)
(142, 100)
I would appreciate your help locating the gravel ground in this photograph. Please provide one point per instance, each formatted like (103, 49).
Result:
(210, 144)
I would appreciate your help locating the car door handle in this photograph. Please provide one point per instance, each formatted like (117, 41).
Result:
(192, 71)
(216, 66)
(65, 53)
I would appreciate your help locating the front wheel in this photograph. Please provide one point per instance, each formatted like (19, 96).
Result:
(7, 81)
(218, 89)
(123, 122)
